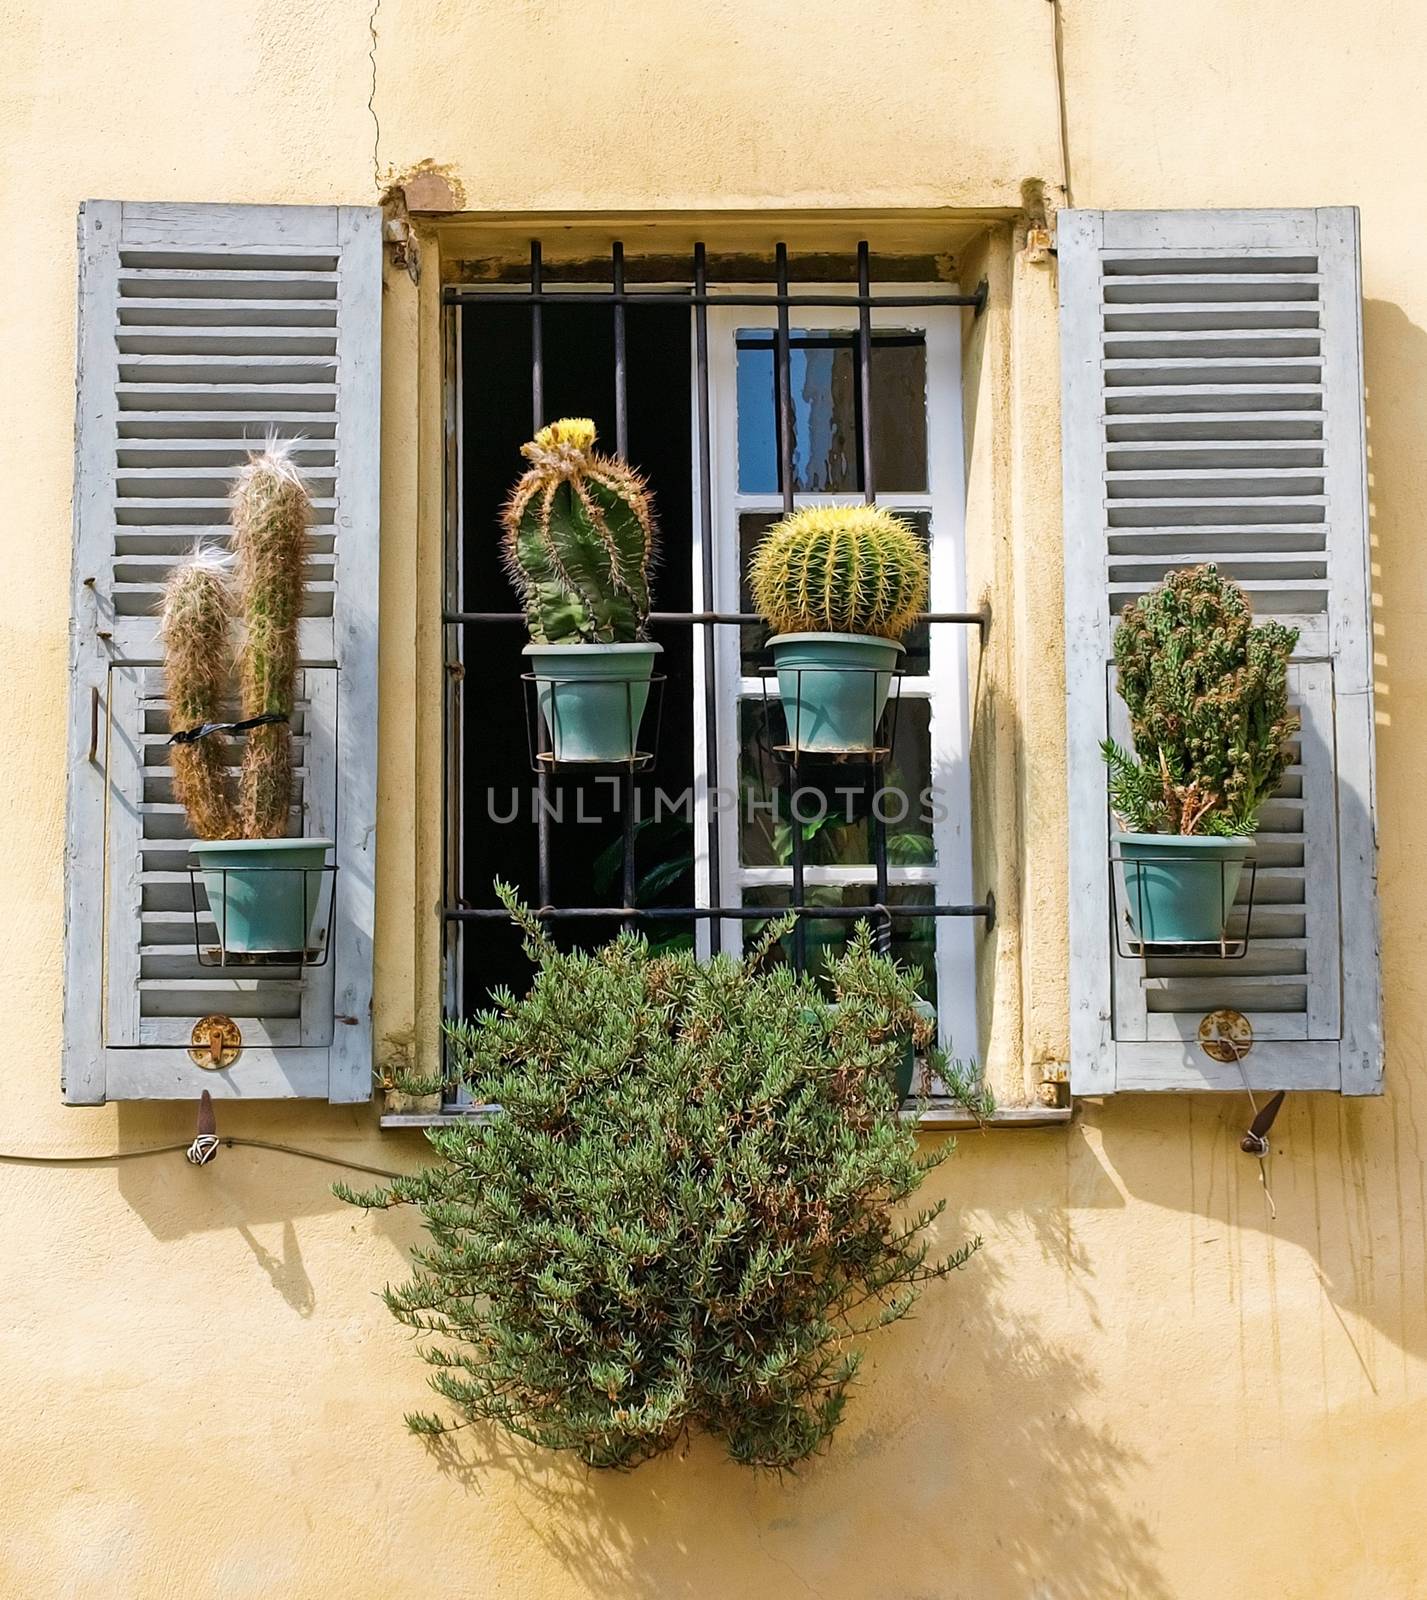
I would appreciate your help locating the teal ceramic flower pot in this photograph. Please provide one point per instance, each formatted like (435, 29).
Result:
(266, 896)
(907, 1065)
(834, 688)
(904, 1071)
(1178, 889)
(592, 698)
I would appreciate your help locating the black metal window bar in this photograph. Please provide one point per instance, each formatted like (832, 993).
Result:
(1129, 946)
(698, 297)
(311, 954)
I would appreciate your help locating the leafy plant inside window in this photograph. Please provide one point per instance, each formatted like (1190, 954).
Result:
(688, 1215)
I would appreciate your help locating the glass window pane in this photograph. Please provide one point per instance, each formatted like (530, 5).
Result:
(753, 636)
(913, 938)
(826, 398)
(834, 808)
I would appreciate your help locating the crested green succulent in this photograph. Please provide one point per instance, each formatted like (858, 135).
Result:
(203, 606)
(1207, 693)
(579, 537)
(840, 569)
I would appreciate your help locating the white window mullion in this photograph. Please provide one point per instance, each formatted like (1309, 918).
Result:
(943, 686)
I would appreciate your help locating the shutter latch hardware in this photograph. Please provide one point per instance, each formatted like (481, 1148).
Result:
(215, 1042)
(1226, 1036)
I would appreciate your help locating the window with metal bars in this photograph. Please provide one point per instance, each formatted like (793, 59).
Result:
(742, 390)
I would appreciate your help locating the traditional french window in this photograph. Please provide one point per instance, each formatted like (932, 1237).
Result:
(743, 397)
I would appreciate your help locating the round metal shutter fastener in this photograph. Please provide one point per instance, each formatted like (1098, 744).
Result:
(1226, 1036)
(216, 1042)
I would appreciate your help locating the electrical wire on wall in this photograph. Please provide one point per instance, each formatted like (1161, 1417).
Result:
(199, 1151)
(1062, 125)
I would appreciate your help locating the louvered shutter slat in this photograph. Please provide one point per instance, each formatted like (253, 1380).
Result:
(204, 329)
(1213, 412)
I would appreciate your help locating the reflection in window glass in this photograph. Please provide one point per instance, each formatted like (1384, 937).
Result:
(833, 807)
(826, 398)
(913, 938)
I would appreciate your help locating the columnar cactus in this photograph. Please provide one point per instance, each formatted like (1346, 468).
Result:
(579, 538)
(840, 569)
(271, 509)
(203, 607)
(1207, 693)
(198, 654)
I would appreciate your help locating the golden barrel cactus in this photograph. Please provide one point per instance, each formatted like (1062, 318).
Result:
(840, 569)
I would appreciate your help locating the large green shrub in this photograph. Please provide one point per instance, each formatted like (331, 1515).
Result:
(687, 1214)
(1207, 693)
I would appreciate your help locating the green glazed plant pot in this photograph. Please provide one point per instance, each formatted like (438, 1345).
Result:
(1179, 888)
(834, 688)
(592, 697)
(904, 1070)
(265, 895)
(907, 1065)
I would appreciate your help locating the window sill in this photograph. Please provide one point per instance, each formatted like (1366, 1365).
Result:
(938, 1116)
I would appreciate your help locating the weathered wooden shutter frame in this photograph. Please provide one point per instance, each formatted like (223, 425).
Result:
(1101, 1063)
(346, 644)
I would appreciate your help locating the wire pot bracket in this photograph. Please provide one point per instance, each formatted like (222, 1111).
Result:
(801, 746)
(316, 953)
(1225, 947)
(548, 727)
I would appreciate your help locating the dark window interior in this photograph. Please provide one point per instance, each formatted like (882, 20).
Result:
(586, 854)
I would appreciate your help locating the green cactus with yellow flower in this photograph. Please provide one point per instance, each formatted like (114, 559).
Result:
(579, 539)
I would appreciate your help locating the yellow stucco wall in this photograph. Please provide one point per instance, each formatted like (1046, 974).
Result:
(1145, 1386)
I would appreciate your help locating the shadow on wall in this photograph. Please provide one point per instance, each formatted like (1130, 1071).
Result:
(269, 1198)
(1395, 364)
(1347, 1175)
(249, 1186)
(964, 1470)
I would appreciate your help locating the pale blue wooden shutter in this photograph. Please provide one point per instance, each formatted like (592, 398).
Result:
(203, 328)
(1213, 411)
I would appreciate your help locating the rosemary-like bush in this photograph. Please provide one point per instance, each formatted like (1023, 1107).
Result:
(687, 1213)
(1207, 693)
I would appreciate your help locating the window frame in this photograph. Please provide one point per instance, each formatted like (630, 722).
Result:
(847, 298)
(945, 684)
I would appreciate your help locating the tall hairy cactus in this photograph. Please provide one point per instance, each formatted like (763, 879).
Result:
(207, 600)
(840, 569)
(1207, 693)
(271, 509)
(198, 654)
(579, 537)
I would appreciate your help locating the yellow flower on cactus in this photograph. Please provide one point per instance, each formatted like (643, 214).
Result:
(570, 437)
